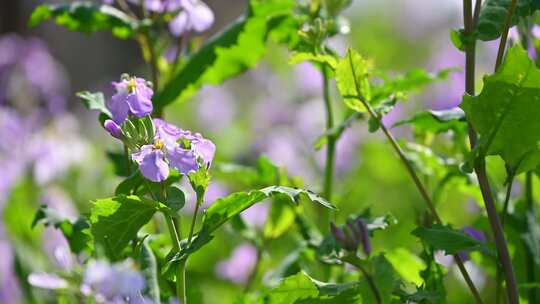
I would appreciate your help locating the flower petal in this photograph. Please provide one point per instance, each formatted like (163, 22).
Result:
(167, 132)
(113, 128)
(183, 160)
(119, 107)
(154, 167)
(180, 24)
(204, 148)
(201, 17)
(47, 281)
(139, 156)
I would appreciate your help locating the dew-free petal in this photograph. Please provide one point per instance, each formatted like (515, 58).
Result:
(154, 167)
(119, 107)
(183, 160)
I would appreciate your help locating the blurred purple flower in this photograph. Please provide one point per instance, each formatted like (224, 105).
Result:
(447, 94)
(112, 282)
(10, 291)
(475, 234)
(133, 96)
(216, 108)
(195, 16)
(27, 70)
(308, 78)
(239, 265)
(158, 6)
(56, 148)
(47, 281)
(256, 215)
(154, 160)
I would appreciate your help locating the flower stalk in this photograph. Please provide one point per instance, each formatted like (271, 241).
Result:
(480, 165)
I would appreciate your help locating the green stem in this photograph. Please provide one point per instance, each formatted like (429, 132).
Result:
(128, 162)
(330, 151)
(194, 219)
(356, 262)
(181, 281)
(480, 166)
(504, 34)
(415, 178)
(529, 258)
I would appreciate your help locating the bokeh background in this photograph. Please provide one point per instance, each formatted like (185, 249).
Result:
(52, 150)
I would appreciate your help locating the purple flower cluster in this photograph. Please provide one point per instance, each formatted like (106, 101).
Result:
(239, 265)
(176, 148)
(191, 15)
(170, 145)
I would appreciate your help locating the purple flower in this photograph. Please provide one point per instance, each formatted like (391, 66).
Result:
(475, 234)
(239, 266)
(158, 6)
(47, 281)
(173, 147)
(195, 16)
(133, 96)
(256, 215)
(112, 282)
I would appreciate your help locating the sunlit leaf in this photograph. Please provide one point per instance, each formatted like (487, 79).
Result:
(505, 114)
(116, 221)
(450, 240)
(86, 17)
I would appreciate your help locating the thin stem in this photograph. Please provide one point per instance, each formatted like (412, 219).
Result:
(480, 166)
(416, 180)
(504, 34)
(194, 219)
(181, 281)
(353, 260)
(504, 211)
(128, 162)
(529, 258)
(330, 148)
(172, 231)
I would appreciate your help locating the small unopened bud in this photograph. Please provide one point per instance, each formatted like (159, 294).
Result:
(340, 237)
(363, 229)
(113, 128)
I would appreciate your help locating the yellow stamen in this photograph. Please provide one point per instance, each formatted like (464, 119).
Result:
(132, 85)
(158, 144)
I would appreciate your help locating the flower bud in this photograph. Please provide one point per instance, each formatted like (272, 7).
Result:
(340, 237)
(363, 229)
(113, 129)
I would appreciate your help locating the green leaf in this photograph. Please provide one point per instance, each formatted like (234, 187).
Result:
(505, 114)
(300, 57)
(264, 173)
(199, 181)
(407, 264)
(116, 221)
(457, 38)
(94, 101)
(401, 85)
(447, 239)
(292, 289)
(352, 78)
(226, 208)
(76, 231)
(280, 219)
(385, 278)
(86, 17)
(437, 121)
(493, 14)
(229, 53)
(149, 270)
(176, 198)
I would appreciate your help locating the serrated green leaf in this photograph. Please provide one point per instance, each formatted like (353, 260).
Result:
(352, 78)
(292, 289)
(447, 239)
(94, 101)
(229, 53)
(116, 221)
(493, 14)
(86, 17)
(507, 111)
